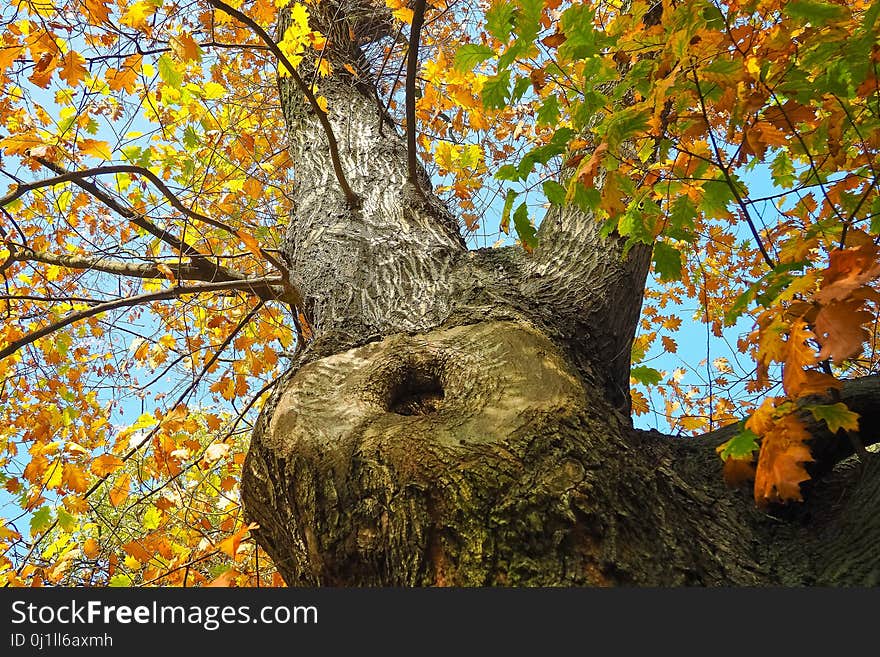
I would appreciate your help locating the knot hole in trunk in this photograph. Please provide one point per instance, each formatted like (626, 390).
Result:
(417, 389)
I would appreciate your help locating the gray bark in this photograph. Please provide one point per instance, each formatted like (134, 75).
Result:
(462, 417)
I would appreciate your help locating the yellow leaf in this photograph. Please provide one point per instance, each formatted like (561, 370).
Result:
(131, 563)
(95, 148)
(322, 103)
(106, 464)
(54, 475)
(136, 15)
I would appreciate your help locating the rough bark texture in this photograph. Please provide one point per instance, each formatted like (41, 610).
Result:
(462, 417)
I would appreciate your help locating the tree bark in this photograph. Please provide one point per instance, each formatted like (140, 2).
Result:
(462, 417)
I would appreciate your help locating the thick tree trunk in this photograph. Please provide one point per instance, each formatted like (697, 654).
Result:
(462, 418)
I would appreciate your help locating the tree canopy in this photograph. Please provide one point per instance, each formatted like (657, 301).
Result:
(148, 311)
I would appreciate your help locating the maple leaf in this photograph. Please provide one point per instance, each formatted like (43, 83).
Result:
(230, 544)
(96, 11)
(836, 416)
(73, 70)
(186, 48)
(75, 479)
(780, 469)
(840, 329)
(106, 464)
(848, 270)
(121, 490)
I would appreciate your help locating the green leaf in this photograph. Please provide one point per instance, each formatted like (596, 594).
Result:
(519, 89)
(717, 195)
(681, 219)
(41, 520)
(169, 73)
(66, 521)
(836, 416)
(625, 124)
(496, 89)
(120, 580)
(507, 172)
(524, 228)
(548, 113)
(505, 213)
(582, 40)
(813, 12)
(740, 446)
(554, 192)
(647, 376)
(782, 171)
(667, 262)
(527, 20)
(470, 55)
(499, 20)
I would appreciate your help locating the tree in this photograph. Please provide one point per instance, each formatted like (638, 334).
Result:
(450, 416)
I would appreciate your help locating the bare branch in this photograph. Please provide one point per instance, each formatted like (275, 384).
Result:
(352, 198)
(253, 285)
(412, 65)
(183, 271)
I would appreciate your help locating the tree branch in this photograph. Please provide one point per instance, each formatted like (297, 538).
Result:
(352, 198)
(253, 285)
(183, 271)
(412, 65)
(77, 178)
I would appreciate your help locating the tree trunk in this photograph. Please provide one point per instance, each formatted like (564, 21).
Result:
(462, 417)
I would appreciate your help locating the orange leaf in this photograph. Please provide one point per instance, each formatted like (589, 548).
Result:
(780, 468)
(74, 479)
(96, 148)
(185, 47)
(738, 472)
(230, 545)
(106, 464)
(250, 242)
(91, 548)
(95, 10)
(119, 492)
(840, 329)
(554, 40)
(587, 171)
(848, 270)
(138, 551)
(73, 70)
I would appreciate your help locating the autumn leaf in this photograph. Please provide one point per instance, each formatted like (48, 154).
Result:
(96, 148)
(780, 469)
(841, 329)
(91, 548)
(848, 270)
(73, 70)
(230, 544)
(75, 479)
(836, 416)
(106, 464)
(120, 490)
